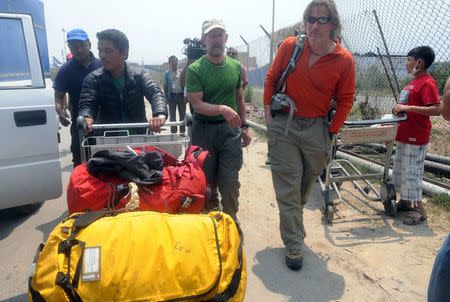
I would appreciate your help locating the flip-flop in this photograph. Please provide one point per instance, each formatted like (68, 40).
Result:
(416, 216)
(402, 207)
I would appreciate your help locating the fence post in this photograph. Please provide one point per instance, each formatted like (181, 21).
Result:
(273, 29)
(387, 74)
(387, 52)
(248, 53)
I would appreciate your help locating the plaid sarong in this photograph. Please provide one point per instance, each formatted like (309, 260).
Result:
(408, 170)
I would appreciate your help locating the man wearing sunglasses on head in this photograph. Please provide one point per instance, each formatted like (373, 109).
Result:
(300, 146)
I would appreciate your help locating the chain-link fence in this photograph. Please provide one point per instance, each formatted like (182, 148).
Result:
(379, 33)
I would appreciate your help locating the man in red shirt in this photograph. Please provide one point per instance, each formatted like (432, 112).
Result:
(419, 100)
(324, 70)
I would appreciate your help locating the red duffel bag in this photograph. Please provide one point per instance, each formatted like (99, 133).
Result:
(182, 189)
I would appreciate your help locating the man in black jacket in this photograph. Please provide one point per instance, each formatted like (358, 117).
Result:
(115, 93)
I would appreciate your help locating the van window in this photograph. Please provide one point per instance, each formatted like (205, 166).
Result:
(14, 65)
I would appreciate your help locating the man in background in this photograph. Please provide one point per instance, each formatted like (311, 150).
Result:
(173, 89)
(69, 80)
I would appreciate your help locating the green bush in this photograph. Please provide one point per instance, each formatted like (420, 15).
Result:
(441, 199)
(441, 74)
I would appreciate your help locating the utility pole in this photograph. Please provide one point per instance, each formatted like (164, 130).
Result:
(273, 30)
(248, 53)
(64, 41)
(270, 41)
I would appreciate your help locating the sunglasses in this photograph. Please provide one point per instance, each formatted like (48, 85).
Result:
(320, 20)
(231, 53)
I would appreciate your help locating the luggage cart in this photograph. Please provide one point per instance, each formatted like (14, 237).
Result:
(341, 170)
(113, 139)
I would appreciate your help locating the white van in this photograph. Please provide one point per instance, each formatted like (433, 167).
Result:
(30, 171)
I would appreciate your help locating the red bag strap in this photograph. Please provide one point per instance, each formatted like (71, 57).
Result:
(198, 158)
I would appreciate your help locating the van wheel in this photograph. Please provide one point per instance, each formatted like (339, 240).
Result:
(28, 209)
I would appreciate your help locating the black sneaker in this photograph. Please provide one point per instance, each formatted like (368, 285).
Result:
(294, 259)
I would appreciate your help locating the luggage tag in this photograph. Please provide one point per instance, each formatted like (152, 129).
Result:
(91, 264)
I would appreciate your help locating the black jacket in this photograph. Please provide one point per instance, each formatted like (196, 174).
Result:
(145, 169)
(100, 99)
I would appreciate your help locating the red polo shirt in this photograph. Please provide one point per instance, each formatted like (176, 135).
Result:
(422, 91)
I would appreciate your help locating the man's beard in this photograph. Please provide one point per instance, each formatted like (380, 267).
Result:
(215, 51)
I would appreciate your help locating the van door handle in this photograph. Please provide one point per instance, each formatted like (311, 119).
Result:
(30, 118)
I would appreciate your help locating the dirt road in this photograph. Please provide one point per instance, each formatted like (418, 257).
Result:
(362, 256)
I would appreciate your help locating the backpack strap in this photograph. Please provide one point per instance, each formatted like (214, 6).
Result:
(232, 288)
(195, 154)
(298, 49)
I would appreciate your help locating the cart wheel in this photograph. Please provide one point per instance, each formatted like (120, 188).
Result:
(329, 214)
(366, 189)
(387, 192)
(388, 197)
(390, 208)
(338, 184)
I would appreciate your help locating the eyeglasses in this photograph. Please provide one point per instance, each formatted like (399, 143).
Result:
(320, 20)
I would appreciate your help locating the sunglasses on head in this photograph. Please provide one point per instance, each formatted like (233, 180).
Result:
(320, 20)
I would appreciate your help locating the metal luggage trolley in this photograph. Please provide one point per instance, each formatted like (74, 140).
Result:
(341, 170)
(114, 139)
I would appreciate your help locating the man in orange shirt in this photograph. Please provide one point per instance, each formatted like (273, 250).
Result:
(324, 70)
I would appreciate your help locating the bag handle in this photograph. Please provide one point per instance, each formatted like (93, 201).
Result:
(298, 49)
(197, 153)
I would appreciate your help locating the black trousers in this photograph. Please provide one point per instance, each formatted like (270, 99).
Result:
(177, 100)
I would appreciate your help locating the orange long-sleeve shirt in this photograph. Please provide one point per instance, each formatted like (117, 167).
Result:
(312, 89)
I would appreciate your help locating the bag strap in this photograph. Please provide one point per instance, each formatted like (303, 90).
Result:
(236, 279)
(63, 281)
(35, 295)
(197, 153)
(85, 219)
(298, 49)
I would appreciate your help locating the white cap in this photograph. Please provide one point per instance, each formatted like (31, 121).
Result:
(209, 25)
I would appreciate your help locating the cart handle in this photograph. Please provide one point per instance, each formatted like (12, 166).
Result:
(81, 124)
(396, 119)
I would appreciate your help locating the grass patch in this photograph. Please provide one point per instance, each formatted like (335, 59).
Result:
(442, 200)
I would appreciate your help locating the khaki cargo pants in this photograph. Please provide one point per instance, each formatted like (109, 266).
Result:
(297, 160)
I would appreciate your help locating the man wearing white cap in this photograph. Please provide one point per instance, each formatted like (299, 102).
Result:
(213, 84)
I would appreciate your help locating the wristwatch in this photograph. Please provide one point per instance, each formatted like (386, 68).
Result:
(245, 125)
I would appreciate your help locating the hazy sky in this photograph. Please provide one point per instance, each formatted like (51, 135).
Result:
(156, 29)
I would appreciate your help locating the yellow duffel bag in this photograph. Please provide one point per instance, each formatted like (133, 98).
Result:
(141, 256)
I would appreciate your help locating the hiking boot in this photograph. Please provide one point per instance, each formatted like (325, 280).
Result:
(294, 259)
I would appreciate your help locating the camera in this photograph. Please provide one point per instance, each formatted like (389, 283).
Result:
(194, 48)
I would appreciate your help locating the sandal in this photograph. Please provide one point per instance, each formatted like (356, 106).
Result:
(404, 206)
(416, 216)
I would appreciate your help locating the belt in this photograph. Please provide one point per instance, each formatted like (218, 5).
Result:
(200, 121)
(286, 113)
